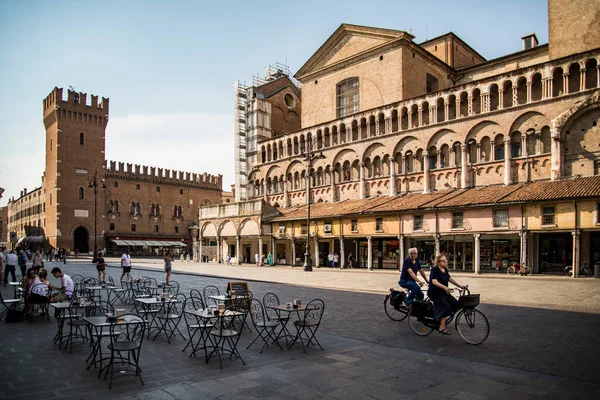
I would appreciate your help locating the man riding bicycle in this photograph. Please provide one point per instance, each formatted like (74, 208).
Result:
(408, 276)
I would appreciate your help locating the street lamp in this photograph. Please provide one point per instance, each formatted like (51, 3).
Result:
(94, 182)
(308, 153)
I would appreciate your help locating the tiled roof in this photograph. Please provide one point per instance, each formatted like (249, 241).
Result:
(521, 192)
(557, 190)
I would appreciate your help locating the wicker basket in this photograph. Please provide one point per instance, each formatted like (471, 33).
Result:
(469, 301)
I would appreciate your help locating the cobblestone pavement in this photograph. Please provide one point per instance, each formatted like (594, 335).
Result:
(531, 352)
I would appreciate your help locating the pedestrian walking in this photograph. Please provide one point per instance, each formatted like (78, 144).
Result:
(126, 265)
(23, 263)
(11, 263)
(257, 259)
(350, 261)
(336, 259)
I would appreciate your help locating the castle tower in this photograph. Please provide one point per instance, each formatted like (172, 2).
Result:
(75, 132)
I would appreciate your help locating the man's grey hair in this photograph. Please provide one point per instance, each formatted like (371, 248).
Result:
(413, 248)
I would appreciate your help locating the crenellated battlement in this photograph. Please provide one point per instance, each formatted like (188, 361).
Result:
(154, 174)
(76, 108)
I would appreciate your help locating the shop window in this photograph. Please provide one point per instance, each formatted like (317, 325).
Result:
(111, 227)
(133, 227)
(347, 97)
(327, 227)
(548, 215)
(379, 224)
(303, 229)
(354, 225)
(176, 229)
(500, 218)
(418, 223)
(457, 220)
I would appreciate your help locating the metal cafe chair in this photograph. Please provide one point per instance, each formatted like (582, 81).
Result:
(8, 304)
(126, 336)
(307, 327)
(170, 317)
(208, 291)
(265, 328)
(196, 325)
(225, 337)
(243, 299)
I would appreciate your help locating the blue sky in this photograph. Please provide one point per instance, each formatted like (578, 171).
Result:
(169, 67)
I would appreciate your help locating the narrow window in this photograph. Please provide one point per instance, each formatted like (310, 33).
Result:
(347, 97)
(303, 229)
(116, 184)
(180, 191)
(418, 223)
(457, 220)
(112, 227)
(500, 218)
(81, 139)
(156, 228)
(80, 193)
(328, 226)
(379, 224)
(354, 225)
(158, 189)
(137, 187)
(176, 229)
(133, 227)
(548, 215)
(432, 83)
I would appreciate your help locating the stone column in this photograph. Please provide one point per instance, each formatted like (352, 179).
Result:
(582, 79)
(433, 114)
(556, 171)
(436, 238)
(420, 115)
(523, 255)
(446, 111)
(369, 253)
(273, 254)
(316, 252)
(523, 144)
(576, 246)
(293, 240)
(515, 97)
(195, 230)
(361, 173)
(476, 254)
(332, 178)
(286, 197)
(260, 243)
(463, 167)
(458, 107)
(264, 190)
(238, 249)
(409, 117)
(392, 177)
(565, 83)
(478, 153)
(401, 248)
(425, 172)
(342, 253)
(500, 98)
(469, 105)
(507, 161)
(529, 92)
(438, 161)
(200, 248)
(218, 249)
(388, 125)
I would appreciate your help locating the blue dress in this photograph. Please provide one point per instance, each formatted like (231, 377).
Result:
(444, 304)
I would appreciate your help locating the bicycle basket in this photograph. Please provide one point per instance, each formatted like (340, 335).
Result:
(469, 300)
(396, 298)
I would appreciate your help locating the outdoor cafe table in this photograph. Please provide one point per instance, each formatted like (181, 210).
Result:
(152, 305)
(60, 308)
(207, 320)
(16, 286)
(282, 309)
(99, 323)
(107, 288)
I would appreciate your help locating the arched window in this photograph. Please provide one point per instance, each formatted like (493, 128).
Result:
(135, 209)
(80, 193)
(177, 211)
(155, 210)
(112, 227)
(113, 207)
(347, 97)
(81, 137)
(133, 227)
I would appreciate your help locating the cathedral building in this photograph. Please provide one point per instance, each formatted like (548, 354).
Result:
(379, 143)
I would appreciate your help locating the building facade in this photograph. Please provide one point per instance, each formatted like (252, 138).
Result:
(86, 201)
(403, 123)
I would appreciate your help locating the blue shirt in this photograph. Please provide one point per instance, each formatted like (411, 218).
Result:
(406, 265)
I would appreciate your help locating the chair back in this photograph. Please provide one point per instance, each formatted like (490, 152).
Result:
(176, 305)
(111, 281)
(314, 312)
(77, 278)
(99, 308)
(195, 293)
(90, 282)
(211, 290)
(257, 312)
(192, 304)
(129, 329)
(141, 292)
(243, 298)
(232, 318)
(173, 288)
(40, 289)
(270, 299)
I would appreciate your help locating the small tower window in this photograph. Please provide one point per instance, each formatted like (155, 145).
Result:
(116, 184)
(176, 229)
(81, 139)
(158, 189)
(137, 187)
(80, 193)
(133, 227)
(112, 227)
(156, 228)
(180, 191)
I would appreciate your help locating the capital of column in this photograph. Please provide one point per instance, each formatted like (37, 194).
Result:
(463, 147)
(507, 140)
(477, 236)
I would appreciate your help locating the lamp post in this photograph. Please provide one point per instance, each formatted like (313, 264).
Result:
(94, 182)
(309, 155)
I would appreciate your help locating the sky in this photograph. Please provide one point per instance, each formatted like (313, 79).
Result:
(169, 67)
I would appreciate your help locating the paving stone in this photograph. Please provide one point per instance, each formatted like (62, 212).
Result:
(468, 396)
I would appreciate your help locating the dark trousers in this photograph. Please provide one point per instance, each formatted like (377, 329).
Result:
(23, 269)
(11, 269)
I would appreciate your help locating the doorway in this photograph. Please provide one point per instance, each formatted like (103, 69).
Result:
(80, 240)
(247, 253)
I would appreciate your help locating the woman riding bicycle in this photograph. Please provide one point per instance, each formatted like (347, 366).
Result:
(444, 304)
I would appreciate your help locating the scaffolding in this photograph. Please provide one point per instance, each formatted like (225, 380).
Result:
(273, 72)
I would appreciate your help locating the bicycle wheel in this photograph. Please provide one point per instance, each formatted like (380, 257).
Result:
(394, 314)
(511, 271)
(417, 326)
(527, 270)
(472, 326)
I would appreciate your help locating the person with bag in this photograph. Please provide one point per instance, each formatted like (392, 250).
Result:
(101, 268)
(168, 265)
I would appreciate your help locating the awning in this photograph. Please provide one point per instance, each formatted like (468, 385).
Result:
(21, 239)
(119, 242)
(172, 243)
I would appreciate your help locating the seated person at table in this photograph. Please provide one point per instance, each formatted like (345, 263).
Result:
(38, 291)
(66, 288)
(28, 281)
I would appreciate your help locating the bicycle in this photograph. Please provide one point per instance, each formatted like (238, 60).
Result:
(394, 305)
(584, 270)
(519, 269)
(471, 324)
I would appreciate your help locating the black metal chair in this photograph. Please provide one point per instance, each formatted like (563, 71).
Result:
(243, 299)
(196, 325)
(196, 293)
(211, 290)
(265, 328)
(173, 288)
(271, 299)
(8, 304)
(224, 338)
(34, 305)
(169, 319)
(73, 319)
(126, 337)
(98, 309)
(307, 327)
